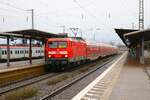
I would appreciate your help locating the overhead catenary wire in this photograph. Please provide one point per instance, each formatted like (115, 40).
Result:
(84, 9)
(12, 6)
(15, 10)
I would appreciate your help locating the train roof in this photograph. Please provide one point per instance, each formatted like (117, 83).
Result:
(67, 39)
(88, 42)
(94, 43)
(13, 46)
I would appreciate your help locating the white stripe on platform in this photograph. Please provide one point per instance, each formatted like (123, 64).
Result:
(91, 85)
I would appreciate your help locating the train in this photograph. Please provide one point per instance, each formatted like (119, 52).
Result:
(64, 52)
(20, 52)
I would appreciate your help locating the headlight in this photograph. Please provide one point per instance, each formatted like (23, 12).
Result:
(49, 56)
(66, 56)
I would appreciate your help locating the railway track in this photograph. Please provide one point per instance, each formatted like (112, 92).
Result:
(31, 81)
(66, 86)
(28, 81)
(23, 83)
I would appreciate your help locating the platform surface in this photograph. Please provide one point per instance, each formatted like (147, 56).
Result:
(19, 64)
(101, 87)
(133, 83)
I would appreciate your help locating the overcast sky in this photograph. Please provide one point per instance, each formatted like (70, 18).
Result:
(87, 15)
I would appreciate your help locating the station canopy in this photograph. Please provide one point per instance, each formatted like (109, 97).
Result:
(29, 33)
(132, 37)
(122, 32)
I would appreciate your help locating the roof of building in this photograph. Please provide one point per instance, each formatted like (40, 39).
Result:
(29, 33)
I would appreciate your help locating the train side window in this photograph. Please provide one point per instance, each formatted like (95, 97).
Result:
(3, 52)
(11, 52)
(71, 44)
(15, 52)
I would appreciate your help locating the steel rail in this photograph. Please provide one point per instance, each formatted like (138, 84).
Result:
(59, 90)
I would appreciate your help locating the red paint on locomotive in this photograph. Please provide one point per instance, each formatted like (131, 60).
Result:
(72, 50)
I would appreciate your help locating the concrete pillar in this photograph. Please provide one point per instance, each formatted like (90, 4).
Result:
(142, 60)
(45, 45)
(30, 50)
(8, 51)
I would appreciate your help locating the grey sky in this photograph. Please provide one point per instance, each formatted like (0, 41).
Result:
(87, 15)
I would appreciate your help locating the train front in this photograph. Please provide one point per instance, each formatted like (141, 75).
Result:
(57, 52)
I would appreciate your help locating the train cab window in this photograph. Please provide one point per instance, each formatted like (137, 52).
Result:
(62, 45)
(57, 44)
(53, 44)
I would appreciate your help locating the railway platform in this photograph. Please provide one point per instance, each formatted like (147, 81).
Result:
(20, 64)
(102, 86)
(133, 82)
(124, 80)
(20, 70)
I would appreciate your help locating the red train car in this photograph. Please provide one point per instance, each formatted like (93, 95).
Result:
(92, 50)
(63, 52)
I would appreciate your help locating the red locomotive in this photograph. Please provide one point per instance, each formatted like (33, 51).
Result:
(61, 52)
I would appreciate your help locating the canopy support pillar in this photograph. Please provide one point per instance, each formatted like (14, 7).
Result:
(142, 60)
(8, 51)
(30, 50)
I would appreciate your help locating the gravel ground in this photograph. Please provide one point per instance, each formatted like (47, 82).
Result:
(44, 88)
(75, 89)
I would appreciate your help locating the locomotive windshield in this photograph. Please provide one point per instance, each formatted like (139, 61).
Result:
(57, 44)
